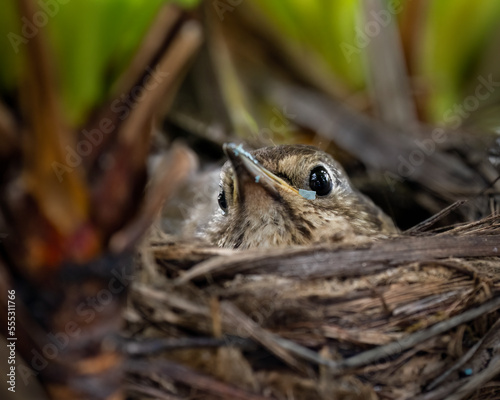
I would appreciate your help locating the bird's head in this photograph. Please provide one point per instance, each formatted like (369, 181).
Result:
(290, 194)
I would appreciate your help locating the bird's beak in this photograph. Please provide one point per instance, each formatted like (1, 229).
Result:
(248, 171)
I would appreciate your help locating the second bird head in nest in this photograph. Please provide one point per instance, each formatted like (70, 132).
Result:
(290, 195)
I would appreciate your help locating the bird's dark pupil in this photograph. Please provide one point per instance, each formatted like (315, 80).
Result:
(320, 181)
(221, 198)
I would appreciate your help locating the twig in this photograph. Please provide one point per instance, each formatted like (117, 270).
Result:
(418, 337)
(466, 357)
(270, 340)
(276, 345)
(422, 226)
(475, 226)
(477, 380)
(155, 346)
(339, 261)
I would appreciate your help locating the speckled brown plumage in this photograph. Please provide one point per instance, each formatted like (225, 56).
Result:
(265, 209)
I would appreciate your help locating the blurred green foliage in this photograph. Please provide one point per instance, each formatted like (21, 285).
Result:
(92, 42)
(321, 26)
(456, 34)
(448, 40)
(11, 60)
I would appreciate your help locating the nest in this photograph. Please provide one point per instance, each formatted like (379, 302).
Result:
(412, 317)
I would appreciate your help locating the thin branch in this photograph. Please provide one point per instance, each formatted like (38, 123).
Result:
(280, 347)
(405, 343)
(339, 261)
(155, 346)
(478, 380)
(424, 225)
(466, 357)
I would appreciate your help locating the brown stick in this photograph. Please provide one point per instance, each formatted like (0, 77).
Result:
(336, 261)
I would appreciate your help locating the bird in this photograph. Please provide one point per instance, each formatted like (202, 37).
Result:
(290, 195)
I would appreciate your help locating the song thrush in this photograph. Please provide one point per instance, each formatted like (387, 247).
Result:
(290, 195)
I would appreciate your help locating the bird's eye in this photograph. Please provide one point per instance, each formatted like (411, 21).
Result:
(320, 181)
(221, 198)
